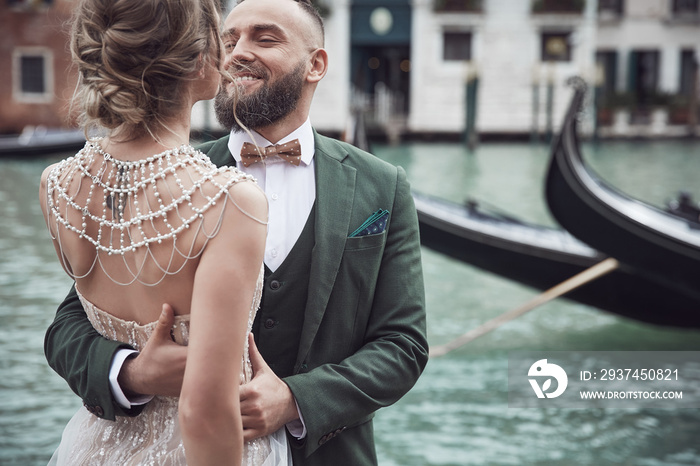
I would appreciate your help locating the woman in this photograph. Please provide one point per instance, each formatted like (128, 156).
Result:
(139, 218)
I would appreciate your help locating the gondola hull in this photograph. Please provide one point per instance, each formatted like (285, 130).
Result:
(41, 141)
(542, 257)
(661, 247)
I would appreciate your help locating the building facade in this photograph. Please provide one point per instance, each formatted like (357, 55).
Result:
(504, 65)
(647, 53)
(36, 80)
(436, 67)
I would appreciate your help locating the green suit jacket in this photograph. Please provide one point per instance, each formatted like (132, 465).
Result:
(363, 343)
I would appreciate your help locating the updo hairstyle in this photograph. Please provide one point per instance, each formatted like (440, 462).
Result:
(134, 58)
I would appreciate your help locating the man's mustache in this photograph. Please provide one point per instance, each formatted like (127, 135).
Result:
(237, 68)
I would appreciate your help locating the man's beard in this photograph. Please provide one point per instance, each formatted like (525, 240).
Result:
(263, 107)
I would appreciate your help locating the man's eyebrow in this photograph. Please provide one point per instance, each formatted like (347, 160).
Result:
(257, 28)
(268, 28)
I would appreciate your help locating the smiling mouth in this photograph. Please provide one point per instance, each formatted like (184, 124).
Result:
(244, 79)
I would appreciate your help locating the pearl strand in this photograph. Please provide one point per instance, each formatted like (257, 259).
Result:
(127, 186)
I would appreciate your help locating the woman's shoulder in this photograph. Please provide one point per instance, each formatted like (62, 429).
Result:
(227, 176)
(241, 188)
(246, 194)
(44, 186)
(53, 176)
(59, 167)
(45, 175)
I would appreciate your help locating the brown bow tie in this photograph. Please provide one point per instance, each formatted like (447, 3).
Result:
(289, 151)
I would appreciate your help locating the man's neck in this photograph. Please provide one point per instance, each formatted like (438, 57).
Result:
(275, 132)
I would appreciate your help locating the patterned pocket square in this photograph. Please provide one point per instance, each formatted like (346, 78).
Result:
(376, 223)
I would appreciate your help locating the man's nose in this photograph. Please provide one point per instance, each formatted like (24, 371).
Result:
(241, 52)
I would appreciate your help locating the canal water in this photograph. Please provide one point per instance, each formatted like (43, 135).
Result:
(458, 413)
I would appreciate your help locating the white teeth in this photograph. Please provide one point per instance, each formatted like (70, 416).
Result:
(244, 78)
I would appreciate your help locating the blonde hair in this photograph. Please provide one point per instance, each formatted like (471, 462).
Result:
(134, 58)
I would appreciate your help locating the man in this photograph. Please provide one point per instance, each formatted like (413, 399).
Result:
(342, 322)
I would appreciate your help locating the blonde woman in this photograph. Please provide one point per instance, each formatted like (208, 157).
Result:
(140, 218)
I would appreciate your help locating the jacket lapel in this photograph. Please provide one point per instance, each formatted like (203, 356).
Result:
(218, 151)
(335, 191)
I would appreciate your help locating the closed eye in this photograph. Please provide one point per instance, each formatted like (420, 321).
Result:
(268, 40)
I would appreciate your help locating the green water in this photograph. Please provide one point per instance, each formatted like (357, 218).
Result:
(458, 412)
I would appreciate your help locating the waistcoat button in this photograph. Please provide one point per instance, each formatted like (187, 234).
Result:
(275, 285)
(269, 323)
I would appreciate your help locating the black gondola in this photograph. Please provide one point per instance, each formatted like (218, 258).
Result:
(542, 257)
(662, 247)
(40, 140)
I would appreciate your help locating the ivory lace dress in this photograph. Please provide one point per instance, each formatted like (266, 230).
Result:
(153, 437)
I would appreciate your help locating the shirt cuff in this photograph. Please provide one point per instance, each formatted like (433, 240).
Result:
(297, 427)
(117, 362)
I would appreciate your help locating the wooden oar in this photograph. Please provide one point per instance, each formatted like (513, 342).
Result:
(592, 273)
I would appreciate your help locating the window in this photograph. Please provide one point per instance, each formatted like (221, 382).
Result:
(558, 6)
(457, 46)
(32, 72)
(611, 7)
(33, 75)
(556, 46)
(606, 61)
(685, 7)
(643, 75)
(688, 70)
(469, 6)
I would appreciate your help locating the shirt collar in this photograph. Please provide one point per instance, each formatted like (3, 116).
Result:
(304, 134)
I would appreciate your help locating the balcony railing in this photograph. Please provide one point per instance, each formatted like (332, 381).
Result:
(558, 6)
(466, 6)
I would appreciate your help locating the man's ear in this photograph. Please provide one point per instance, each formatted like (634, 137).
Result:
(319, 66)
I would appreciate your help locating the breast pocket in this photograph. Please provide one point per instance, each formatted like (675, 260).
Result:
(362, 259)
(358, 243)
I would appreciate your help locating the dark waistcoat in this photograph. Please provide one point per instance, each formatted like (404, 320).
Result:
(277, 326)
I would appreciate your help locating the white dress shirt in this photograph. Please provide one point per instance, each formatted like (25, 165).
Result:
(290, 190)
(291, 193)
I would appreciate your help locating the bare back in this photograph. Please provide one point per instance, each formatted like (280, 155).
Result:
(132, 234)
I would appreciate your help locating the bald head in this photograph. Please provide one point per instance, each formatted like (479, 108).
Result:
(316, 25)
(313, 30)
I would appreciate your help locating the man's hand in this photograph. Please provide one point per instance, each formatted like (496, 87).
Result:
(160, 367)
(267, 404)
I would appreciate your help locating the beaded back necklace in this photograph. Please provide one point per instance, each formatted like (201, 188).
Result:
(123, 187)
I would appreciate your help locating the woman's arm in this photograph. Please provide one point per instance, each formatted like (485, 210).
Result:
(224, 288)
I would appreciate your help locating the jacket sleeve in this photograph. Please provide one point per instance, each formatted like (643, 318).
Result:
(394, 352)
(82, 357)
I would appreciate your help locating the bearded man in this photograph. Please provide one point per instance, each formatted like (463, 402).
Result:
(340, 331)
